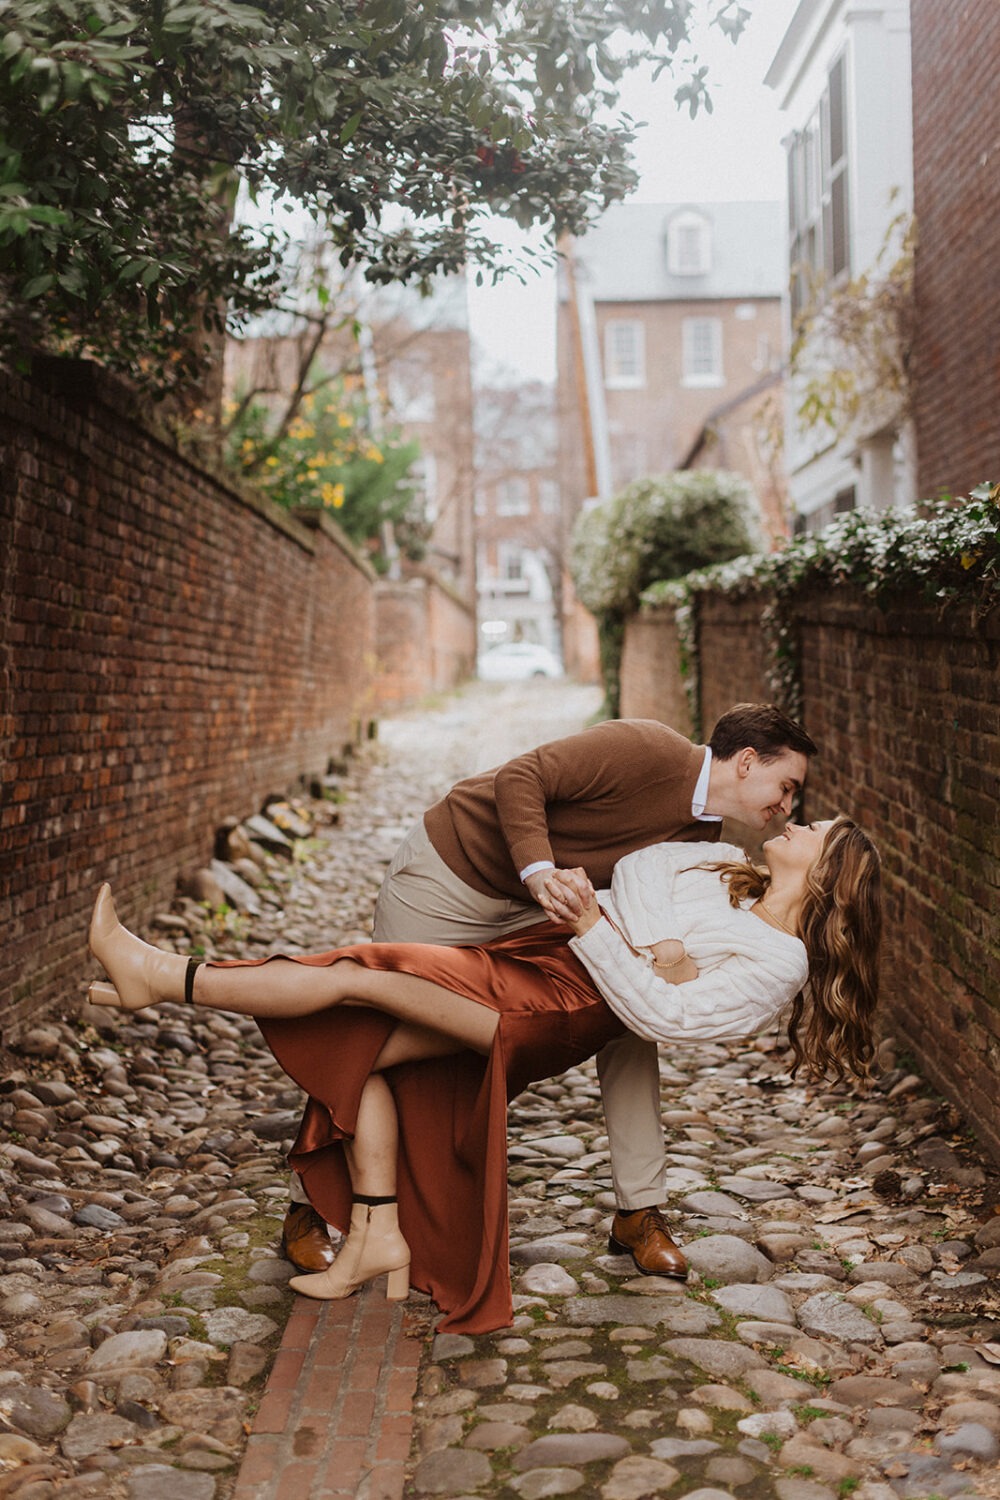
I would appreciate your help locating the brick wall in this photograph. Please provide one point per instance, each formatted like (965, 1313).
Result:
(903, 705)
(426, 640)
(170, 652)
(956, 127)
(651, 685)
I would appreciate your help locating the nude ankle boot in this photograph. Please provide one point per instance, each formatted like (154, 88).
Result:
(373, 1246)
(140, 974)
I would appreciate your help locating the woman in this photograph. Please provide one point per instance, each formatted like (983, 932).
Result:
(409, 1052)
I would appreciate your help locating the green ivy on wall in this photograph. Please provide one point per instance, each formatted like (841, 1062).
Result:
(943, 551)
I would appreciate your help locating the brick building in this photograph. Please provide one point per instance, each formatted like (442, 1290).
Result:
(842, 74)
(519, 523)
(666, 311)
(413, 355)
(956, 188)
(744, 435)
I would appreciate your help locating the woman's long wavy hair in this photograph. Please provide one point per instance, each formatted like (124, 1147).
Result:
(841, 927)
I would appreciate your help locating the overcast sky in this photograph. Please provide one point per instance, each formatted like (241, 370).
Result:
(733, 154)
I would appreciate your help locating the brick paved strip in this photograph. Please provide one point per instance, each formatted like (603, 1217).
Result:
(336, 1418)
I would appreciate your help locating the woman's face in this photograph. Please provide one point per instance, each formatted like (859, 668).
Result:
(796, 850)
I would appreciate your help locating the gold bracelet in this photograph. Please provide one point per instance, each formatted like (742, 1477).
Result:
(675, 965)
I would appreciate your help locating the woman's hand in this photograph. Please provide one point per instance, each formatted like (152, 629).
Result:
(572, 899)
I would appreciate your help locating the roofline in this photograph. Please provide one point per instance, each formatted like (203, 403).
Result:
(794, 34)
(774, 377)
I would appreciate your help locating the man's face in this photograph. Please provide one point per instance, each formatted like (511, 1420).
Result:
(766, 787)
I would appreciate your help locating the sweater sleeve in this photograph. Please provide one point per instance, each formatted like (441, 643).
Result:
(737, 998)
(598, 763)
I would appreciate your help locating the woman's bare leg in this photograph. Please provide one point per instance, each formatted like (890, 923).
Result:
(374, 1243)
(283, 989)
(374, 1149)
(142, 975)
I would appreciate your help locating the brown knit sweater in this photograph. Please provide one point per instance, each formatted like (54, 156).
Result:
(584, 800)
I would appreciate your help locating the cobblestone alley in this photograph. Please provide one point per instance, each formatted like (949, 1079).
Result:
(835, 1337)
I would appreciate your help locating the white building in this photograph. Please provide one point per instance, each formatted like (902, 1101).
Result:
(842, 74)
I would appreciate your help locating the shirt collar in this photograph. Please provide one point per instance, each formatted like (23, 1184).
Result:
(701, 793)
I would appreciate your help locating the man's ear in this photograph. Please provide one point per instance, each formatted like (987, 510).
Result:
(745, 760)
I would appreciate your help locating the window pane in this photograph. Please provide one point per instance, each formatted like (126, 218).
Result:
(792, 154)
(623, 353)
(548, 494)
(513, 497)
(839, 250)
(702, 348)
(836, 107)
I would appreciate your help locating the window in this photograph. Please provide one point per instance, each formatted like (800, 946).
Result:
(513, 496)
(818, 193)
(764, 358)
(411, 389)
(624, 354)
(424, 471)
(689, 245)
(511, 568)
(548, 495)
(702, 351)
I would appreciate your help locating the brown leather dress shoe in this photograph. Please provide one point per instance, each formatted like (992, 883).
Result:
(305, 1240)
(645, 1236)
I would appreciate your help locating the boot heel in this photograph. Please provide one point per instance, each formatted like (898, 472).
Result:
(100, 993)
(397, 1287)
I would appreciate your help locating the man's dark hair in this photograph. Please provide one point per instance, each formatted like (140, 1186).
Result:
(763, 727)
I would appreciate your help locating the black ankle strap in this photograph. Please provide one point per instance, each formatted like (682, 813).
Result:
(192, 965)
(372, 1202)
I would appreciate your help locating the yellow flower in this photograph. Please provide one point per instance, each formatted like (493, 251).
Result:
(344, 419)
(272, 462)
(332, 495)
(373, 454)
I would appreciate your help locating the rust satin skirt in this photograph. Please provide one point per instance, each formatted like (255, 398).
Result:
(452, 1175)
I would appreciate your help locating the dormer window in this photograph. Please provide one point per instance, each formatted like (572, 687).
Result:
(689, 245)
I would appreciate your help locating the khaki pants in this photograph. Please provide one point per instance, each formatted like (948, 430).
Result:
(423, 901)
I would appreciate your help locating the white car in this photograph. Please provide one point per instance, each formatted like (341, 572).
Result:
(514, 661)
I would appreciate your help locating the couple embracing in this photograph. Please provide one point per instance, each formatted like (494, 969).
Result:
(574, 901)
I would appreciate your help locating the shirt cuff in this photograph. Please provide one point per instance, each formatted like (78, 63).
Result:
(540, 864)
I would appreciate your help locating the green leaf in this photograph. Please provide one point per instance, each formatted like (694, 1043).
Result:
(351, 127)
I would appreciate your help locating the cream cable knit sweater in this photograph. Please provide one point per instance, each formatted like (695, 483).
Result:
(748, 971)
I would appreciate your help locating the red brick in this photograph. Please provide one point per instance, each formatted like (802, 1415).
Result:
(902, 704)
(259, 1466)
(345, 1465)
(385, 1482)
(154, 618)
(956, 124)
(273, 1412)
(297, 1482)
(286, 1369)
(356, 1413)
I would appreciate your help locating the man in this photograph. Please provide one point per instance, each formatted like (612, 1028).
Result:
(479, 863)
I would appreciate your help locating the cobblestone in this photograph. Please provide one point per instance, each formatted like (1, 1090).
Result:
(836, 1335)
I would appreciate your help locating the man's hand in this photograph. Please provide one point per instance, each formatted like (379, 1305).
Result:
(572, 900)
(537, 887)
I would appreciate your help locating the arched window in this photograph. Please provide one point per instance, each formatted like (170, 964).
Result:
(689, 244)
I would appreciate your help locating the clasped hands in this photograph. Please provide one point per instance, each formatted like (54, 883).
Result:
(568, 896)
